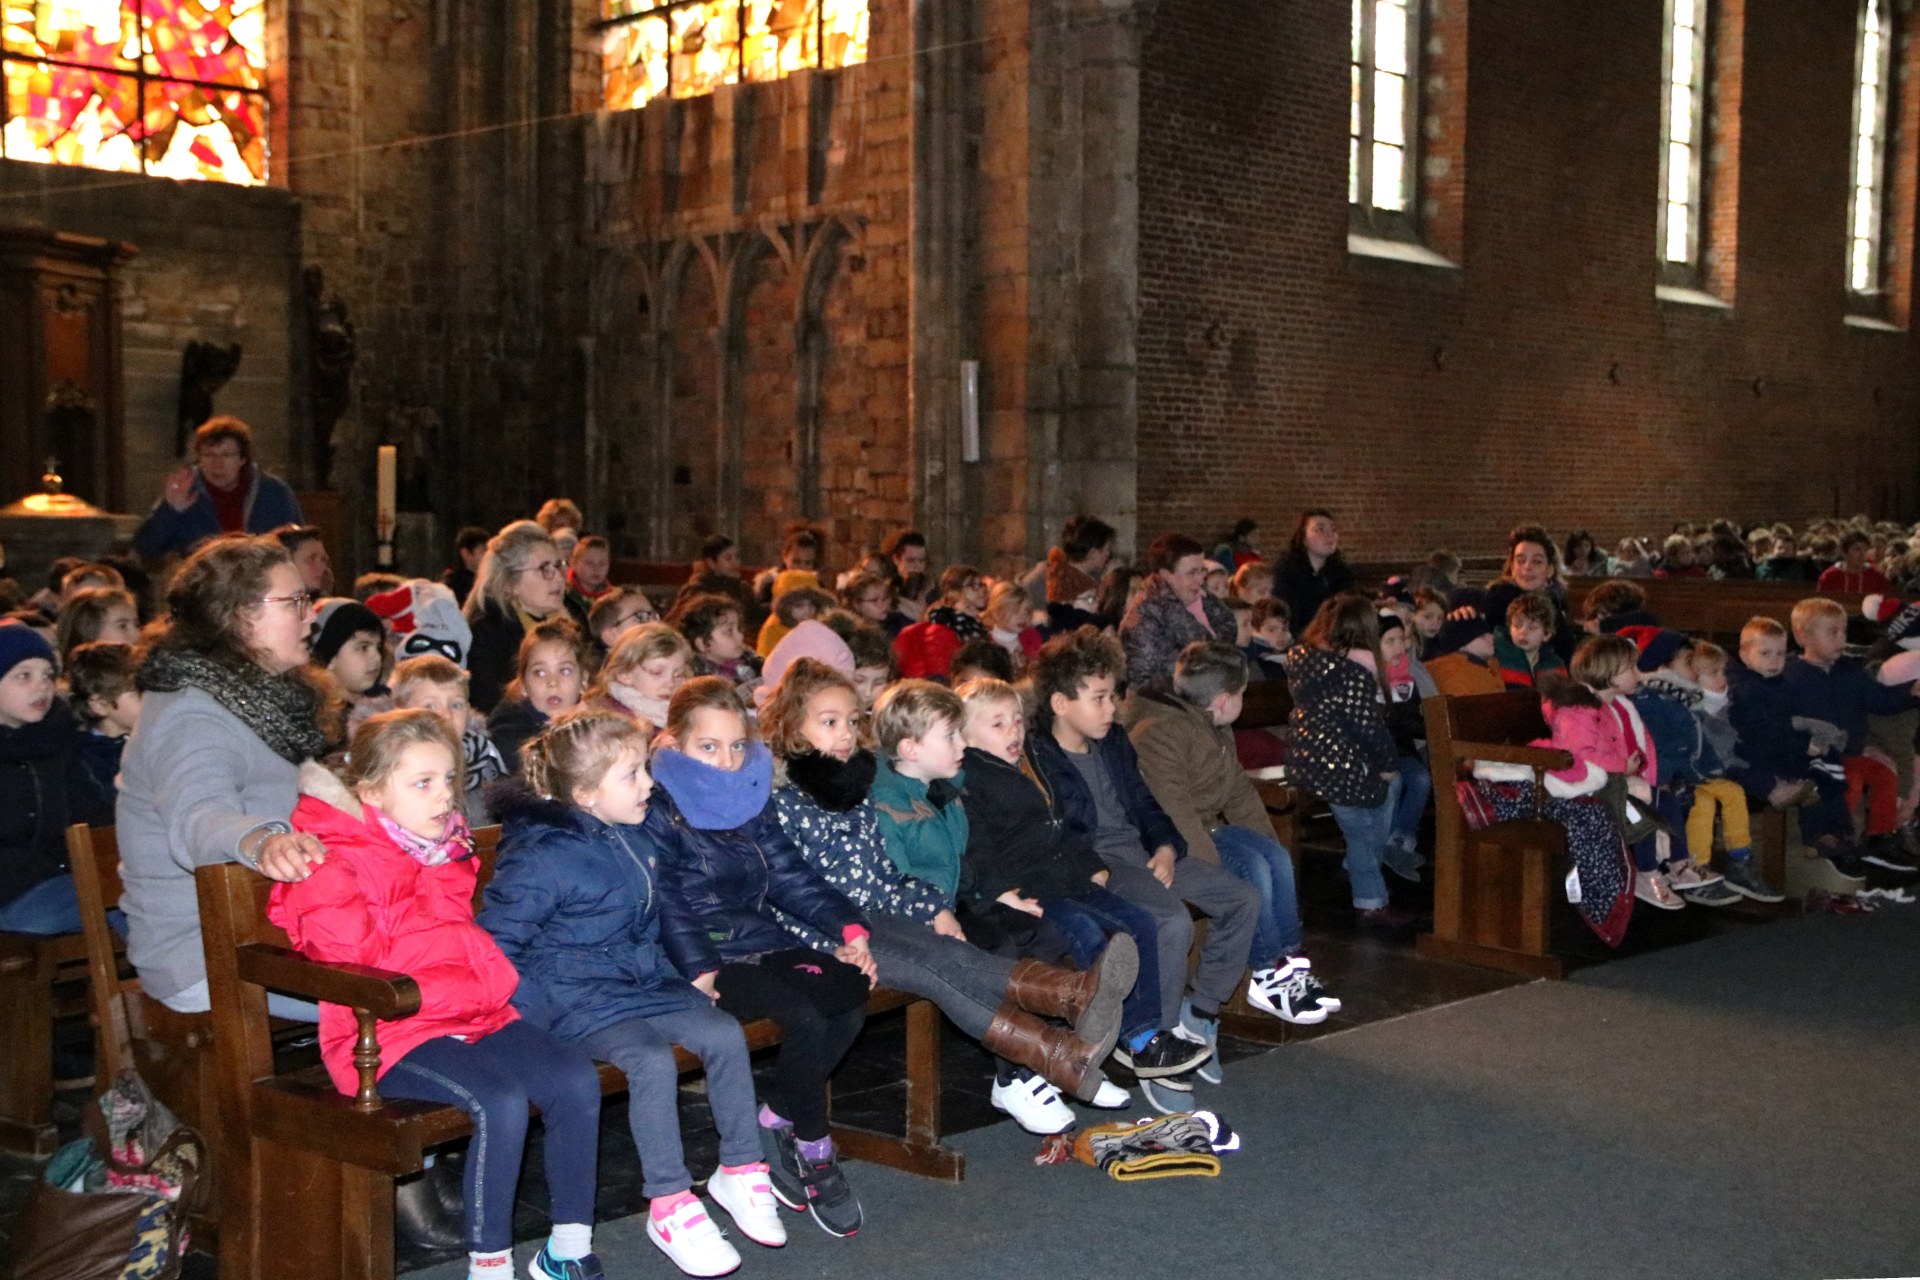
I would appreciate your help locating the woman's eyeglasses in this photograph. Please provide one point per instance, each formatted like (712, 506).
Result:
(301, 604)
(548, 569)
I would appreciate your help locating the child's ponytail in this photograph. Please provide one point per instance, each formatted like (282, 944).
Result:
(576, 750)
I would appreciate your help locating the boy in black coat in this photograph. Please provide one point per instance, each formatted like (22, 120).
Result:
(44, 787)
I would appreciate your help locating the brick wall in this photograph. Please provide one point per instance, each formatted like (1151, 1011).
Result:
(1540, 379)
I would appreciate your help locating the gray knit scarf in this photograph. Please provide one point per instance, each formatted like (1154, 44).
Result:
(280, 710)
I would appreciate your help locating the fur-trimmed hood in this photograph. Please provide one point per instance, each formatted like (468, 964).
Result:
(325, 785)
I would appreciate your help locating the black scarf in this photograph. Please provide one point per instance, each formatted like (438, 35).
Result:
(835, 785)
(280, 710)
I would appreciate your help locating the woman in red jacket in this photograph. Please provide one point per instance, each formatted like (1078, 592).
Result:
(396, 892)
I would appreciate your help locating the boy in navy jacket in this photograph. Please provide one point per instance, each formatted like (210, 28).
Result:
(1835, 695)
(1095, 778)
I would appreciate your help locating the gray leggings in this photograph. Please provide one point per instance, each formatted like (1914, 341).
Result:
(643, 1049)
(967, 983)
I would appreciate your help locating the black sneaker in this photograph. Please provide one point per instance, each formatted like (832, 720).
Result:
(1165, 1055)
(783, 1166)
(830, 1197)
(1885, 852)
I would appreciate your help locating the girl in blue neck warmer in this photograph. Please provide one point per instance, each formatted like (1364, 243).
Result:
(725, 865)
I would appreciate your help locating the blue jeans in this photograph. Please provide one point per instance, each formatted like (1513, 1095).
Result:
(493, 1079)
(643, 1049)
(49, 907)
(1365, 829)
(1086, 919)
(1264, 864)
(1407, 794)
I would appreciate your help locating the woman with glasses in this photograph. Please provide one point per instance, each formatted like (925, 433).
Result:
(1175, 610)
(521, 582)
(225, 491)
(211, 773)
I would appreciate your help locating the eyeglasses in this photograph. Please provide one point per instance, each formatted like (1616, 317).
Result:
(301, 604)
(548, 569)
(637, 616)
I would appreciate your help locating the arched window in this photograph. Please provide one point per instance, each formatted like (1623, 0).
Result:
(686, 48)
(173, 88)
(1873, 90)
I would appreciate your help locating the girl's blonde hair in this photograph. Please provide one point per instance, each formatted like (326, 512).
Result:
(576, 750)
(700, 694)
(378, 743)
(508, 552)
(552, 631)
(783, 718)
(1599, 660)
(1009, 598)
(638, 647)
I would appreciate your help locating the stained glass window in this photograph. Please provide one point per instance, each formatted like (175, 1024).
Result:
(685, 48)
(1382, 121)
(1683, 137)
(173, 88)
(1871, 90)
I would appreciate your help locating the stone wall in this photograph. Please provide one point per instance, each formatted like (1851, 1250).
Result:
(216, 264)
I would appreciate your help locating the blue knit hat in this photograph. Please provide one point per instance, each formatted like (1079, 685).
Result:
(19, 643)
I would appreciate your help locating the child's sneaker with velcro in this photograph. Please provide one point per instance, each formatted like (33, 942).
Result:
(1035, 1105)
(692, 1241)
(746, 1194)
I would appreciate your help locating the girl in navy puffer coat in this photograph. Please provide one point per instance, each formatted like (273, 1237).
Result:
(725, 867)
(575, 904)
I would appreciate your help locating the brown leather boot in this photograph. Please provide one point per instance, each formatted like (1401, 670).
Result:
(1090, 1000)
(1066, 1060)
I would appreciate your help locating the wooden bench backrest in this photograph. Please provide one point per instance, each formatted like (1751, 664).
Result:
(93, 855)
(1267, 705)
(1718, 608)
(1508, 718)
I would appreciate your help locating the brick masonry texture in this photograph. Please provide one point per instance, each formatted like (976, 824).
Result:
(1541, 379)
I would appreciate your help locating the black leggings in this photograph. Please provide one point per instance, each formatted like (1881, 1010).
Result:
(819, 1004)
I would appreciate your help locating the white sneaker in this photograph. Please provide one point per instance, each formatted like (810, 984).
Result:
(690, 1238)
(747, 1196)
(1285, 996)
(1035, 1105)
(1111, 1097)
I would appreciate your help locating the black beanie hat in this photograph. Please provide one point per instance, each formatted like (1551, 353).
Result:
(338, 621)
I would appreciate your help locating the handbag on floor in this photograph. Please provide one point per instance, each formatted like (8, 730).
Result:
(114, 1205)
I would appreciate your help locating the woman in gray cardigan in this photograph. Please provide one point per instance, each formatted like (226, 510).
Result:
(210, 775)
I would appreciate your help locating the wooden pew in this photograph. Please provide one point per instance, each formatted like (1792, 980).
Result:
(131, 1029)
(1493, 889)
(305, 1174)
(1266, 706)
(1718, 608)
(31, 967)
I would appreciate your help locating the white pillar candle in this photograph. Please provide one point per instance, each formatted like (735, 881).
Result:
(384, 501)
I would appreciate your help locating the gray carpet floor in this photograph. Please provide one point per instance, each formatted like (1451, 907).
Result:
(1743, 1107)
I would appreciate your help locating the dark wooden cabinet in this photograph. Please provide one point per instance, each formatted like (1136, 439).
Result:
(60, 377)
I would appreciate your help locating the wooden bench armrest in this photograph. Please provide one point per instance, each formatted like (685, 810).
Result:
(1549, 759)
(371, 993)
(382, 993)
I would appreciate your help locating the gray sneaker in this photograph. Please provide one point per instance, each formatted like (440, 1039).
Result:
(1717, 893)
(1745, 880)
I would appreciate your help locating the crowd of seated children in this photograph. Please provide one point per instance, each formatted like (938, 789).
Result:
(963, 846)
(825, 805)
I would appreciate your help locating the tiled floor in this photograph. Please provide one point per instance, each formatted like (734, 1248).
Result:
(1378, 976)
